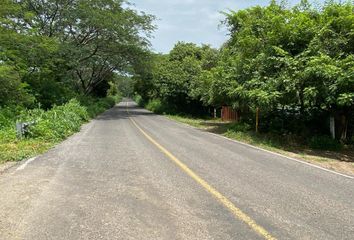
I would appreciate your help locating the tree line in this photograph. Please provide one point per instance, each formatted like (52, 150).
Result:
(294, 64)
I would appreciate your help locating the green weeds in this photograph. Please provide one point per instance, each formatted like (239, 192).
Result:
(51, 126)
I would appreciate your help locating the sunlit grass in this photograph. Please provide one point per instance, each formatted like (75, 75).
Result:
(22, 149)
(51, 127)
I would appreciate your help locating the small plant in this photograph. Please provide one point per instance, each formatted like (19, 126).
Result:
(324, 143)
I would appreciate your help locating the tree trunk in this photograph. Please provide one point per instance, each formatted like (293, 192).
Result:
(341, 126)
(257, 119)
(344, 128)
(332, 127)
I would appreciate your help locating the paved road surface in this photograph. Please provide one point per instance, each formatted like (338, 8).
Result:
(131, 177)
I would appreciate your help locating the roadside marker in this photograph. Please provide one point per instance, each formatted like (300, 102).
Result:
(238, 213)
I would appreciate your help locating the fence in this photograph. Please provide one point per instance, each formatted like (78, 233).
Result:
(229, 114)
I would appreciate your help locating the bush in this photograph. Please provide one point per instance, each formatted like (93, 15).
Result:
(59, 122)
(7, 117)
(51, 125)
(139, 100)
(156, 106)
(56, 123)
(96, 106)
(324, 143)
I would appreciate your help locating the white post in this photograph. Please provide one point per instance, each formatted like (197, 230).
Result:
(214, 112)
(332, 127)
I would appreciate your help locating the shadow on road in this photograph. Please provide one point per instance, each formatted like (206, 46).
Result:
(120, 112)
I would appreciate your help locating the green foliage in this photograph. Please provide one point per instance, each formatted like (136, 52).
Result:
(324, 143)
(58, 50)
(43, 64)
(113, 89)
(174, 78)
(294, 64)
(157, 106)
(58, 122)
(95, 106)
(139, 100)
(12, 90)
(126, 85)
(50, 126)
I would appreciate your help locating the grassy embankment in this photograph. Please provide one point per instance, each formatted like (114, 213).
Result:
(52, 126)
(339, 159)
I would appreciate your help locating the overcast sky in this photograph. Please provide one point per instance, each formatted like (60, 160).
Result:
(195, 21)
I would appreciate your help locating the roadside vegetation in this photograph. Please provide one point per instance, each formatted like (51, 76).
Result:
(50, 126)
(292, 65)
(325, 153)
(62, 63)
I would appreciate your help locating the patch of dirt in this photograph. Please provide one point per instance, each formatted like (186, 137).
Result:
(216, 127)
(346, 155)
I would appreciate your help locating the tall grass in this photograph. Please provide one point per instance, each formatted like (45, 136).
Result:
(50, 126)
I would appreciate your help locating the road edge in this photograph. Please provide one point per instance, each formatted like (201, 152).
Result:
(261, 149)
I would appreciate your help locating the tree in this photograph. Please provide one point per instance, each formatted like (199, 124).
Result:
(176, 77)
(13, 91)
(74, 44)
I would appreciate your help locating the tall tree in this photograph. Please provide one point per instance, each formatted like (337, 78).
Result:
(74, 42)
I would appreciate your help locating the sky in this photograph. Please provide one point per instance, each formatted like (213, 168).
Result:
(196, 21)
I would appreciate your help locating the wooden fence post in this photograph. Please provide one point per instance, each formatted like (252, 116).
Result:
(332, 127)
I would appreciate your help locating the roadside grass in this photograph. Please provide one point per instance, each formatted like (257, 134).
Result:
(288, 145)
(18, 150)
(52, 126)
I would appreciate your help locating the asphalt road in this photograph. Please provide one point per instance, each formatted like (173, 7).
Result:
(137, 175)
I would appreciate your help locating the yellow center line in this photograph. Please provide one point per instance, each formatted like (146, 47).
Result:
(238, 213)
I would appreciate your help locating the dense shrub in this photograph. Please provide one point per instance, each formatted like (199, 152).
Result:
(96, 106)
(59, 122)
(7, 116)
(56, 123)
(50, 126)
(324, 143)
(139, 100)
(156, 106)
